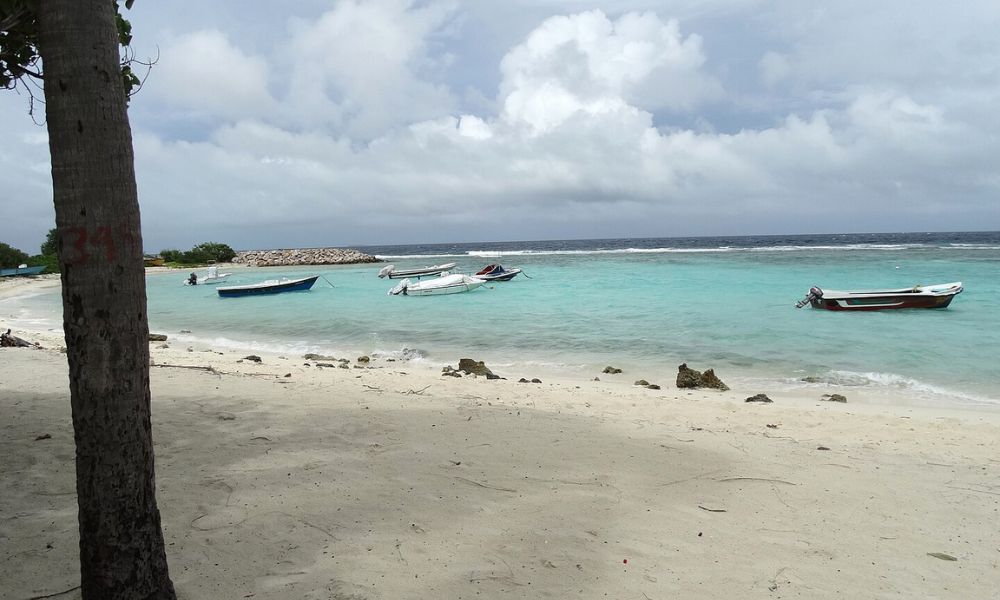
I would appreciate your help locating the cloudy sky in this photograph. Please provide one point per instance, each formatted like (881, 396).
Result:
(350, 122)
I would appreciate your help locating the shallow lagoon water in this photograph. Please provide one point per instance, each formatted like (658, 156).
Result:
(643, 305)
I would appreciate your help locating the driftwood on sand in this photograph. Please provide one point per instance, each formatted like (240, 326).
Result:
(12, 341)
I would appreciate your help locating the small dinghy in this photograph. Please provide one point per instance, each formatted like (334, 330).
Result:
(271, 286)
(919, 296)
(446, 284)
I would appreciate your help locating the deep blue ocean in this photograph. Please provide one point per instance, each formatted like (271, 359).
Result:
(644, 305)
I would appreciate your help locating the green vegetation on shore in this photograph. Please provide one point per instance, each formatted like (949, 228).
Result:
(202, 254)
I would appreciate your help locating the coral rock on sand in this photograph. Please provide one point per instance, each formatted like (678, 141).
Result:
(612, 370)
(759, 398)
(473, 367)
(12, 341)
(689, 378)
(834, 398)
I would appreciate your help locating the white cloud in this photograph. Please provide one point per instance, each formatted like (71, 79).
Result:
(204, 73)
(362, 67)
(588, 63)
(774, 68)
(603, 124)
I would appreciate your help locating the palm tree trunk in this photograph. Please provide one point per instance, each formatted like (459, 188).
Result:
(104, 301)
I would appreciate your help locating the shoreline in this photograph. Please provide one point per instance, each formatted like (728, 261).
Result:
(382, 480)
(577, 372)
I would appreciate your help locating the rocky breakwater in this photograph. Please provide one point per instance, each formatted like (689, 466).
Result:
(302, 256)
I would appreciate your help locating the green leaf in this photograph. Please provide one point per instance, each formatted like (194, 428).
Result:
(942, 556)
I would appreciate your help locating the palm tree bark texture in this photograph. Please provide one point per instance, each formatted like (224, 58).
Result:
(104, 301)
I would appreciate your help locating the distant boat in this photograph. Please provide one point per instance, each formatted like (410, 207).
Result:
(271, 286)
(391, 272)
(213, 276)
(446, 284)
(496, 272)
(21, 270)
(919, 296)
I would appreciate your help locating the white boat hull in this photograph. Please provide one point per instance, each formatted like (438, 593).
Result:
(446, 284)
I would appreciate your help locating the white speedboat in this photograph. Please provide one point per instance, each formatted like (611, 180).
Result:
(392, 272)
(446, 284)
(213, 276)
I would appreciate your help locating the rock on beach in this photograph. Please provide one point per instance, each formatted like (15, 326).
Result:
(689, 378)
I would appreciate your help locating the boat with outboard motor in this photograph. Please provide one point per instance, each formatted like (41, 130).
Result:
(919, 296)
(391, 272)
(213, 276)
(497, 272)
(445, 284)
(271, 286)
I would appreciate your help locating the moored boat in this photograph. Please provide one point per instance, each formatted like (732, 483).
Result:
(21, 270)
(213, 276)
(271, 286)
(446, 284)
(497, 272)
(392, 272)
(919, 296)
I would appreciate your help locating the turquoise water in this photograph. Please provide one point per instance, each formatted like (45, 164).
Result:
(646, 306)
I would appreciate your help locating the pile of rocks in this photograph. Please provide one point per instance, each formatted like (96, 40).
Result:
(302, 256)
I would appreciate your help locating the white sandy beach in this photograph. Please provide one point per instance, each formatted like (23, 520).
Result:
(288, 480)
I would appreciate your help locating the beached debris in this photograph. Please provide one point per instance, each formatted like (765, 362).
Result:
(12, 341)
(641, 382)
(471, 366)
(689, 378)
(611, 370)
(157, 337)
(652, 386)
(252, 358)
(210, 369)
(834, 397)
(762, 398)
(942, 556)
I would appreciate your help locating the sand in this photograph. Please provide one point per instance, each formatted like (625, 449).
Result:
(389, 480)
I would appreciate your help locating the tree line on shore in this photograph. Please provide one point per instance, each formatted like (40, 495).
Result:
(204, 253)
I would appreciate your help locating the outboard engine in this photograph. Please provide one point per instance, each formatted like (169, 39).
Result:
(814, 294)
(385, 271)
(400, 288)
